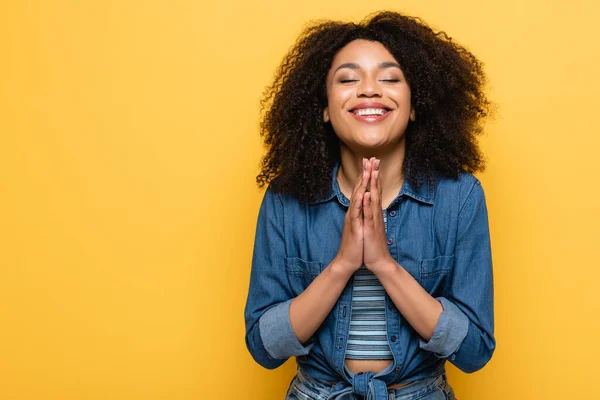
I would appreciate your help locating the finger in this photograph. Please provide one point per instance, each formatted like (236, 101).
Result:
(356, 207)
(373, 162)
(377, 162)
(369, 167)
(359, 179)
(367, 209)
(359, 189)
(357, 196)
(379, 186)
(364, 181)
(375, 189)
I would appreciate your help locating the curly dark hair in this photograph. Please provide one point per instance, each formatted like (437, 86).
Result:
(446, 83)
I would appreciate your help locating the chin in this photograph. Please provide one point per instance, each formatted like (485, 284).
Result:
(375, 143)
(366, 145)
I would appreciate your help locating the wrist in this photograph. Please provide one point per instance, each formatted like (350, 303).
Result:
(342, 269)
(385, 267)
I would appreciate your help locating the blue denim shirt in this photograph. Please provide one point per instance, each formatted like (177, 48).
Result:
(439, 233)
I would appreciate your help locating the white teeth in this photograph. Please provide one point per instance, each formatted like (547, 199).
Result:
(370, 111)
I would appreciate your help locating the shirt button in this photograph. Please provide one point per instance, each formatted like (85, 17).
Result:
(397, 370)
(393, 338)
(453, 357)
(392, 213)
(390, 241)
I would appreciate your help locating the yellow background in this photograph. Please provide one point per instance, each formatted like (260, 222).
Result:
(128, 151)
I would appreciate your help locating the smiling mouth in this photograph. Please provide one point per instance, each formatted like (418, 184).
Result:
(373, 115)
(371, 112)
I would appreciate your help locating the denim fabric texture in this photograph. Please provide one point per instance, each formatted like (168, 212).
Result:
(305, 387)
(438, 232)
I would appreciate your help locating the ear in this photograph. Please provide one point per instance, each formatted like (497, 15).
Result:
(412, 114)
(325, 114)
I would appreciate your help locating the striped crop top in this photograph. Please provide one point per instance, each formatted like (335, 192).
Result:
(368, 329)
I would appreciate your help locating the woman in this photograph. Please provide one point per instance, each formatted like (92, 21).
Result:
(372, 261)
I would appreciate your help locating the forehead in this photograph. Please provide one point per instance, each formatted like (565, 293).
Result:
(366, 53)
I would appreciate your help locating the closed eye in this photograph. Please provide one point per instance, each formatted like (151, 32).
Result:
(382, 80)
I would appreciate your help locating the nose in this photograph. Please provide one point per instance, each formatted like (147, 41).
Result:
(369, 87)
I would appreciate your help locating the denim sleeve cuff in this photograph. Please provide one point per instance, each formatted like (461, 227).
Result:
(277, 335)
(450, 331)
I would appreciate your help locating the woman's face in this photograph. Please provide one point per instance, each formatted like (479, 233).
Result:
(368, 98)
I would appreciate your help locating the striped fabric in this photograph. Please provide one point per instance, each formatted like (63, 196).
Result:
(368, 332)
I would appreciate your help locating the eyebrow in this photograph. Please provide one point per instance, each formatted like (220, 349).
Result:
(381, 65)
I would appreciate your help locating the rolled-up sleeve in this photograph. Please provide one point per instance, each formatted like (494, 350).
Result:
(464, 333)
(269, 335)
(277, 335)
(450, 331)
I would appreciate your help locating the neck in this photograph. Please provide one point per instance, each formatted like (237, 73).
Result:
(390, 170)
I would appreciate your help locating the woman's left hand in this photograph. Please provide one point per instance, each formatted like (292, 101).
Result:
(376, 253)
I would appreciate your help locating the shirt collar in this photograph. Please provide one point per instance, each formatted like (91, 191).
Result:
(424, 193)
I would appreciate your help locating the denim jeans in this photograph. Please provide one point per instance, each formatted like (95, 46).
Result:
(305, 387)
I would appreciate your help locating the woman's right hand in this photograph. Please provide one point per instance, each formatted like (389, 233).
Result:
(350, 255)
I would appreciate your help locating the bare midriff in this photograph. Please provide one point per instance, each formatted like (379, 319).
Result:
(375, 366)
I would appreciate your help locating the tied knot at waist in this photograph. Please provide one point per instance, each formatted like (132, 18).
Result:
(365, 385)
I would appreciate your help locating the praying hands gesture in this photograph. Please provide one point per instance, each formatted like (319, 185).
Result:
(364, 242)
(363, 238)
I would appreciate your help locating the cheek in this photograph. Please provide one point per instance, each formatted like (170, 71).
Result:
(402, 97)
(337, 113)
(338, 97)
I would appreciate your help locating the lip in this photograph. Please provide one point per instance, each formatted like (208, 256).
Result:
(369, 104)
(370, 119)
